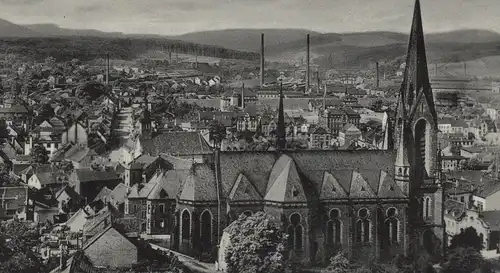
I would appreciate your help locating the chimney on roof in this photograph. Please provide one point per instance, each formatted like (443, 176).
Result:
(308, 76)
(377, 75)
(262, 60)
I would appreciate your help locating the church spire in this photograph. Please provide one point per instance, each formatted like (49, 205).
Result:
(416, 85)
(281, 141)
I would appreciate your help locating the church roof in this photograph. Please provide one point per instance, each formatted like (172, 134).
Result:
(296, 176)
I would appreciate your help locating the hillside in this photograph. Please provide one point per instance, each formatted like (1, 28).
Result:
(55, 30)
(8, 29)
(245, 39)
(90, 48)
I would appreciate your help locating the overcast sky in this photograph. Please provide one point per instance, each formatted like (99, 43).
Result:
(181, 16)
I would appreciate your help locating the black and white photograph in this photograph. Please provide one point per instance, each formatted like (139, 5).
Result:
(249, 136)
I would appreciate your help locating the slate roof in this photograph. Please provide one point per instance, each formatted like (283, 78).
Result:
(296, 176)
(175, 143)
(85, 175)
(492, 218)
(199, 184)
(454, 209)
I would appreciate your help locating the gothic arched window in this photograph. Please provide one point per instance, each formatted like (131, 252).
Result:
(333, 228)
(363, 226)
(186, 225)
(295, 232)
(391, 225)
(427, 206)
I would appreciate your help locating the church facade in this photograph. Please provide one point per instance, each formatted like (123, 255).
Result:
(367, 203)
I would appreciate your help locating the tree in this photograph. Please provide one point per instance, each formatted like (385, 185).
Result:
(18, 247)
(217, 133)
(339, 264)
(39, 155)
(376, 105)
(463, 260)
(470, 164)
(66, 166)
(467, 238)
(257, 246)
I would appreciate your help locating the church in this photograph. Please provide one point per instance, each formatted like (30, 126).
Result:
(369, 203)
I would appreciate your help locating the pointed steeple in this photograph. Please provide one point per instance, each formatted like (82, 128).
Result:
(146, 119)
(416, 76)
(281, 141)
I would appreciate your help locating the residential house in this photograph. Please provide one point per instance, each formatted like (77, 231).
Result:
(487, 126)
(76, 134)
(77, 221)
(111, 248)
(459, 217)
(88, 183)
(78, 263)
(349, 134)
(188, 145)
(116, 197)
(154, 202)
(336, 118)
(451, 162)
(318, 138)
(470, 152)
(14, 203)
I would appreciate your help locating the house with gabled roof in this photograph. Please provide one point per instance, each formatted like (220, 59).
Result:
(111, 248)
(154, 202)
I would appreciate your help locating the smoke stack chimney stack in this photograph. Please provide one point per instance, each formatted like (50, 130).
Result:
(262, 60)
(378, 77)
(308, 76)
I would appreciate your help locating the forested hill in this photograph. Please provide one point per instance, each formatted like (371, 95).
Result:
(88, 48)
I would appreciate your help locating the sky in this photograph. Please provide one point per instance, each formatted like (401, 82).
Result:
(171, 17)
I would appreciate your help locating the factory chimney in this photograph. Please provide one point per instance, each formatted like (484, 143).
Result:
(308, 76)
(262, 60)
(378, 77)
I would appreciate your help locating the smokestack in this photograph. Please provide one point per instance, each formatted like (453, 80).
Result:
(436, 66)
(243, 96)
(262, 60)
(107, 69)
(196, 59)
(308, 76)
(378, 78)
(465, 69)
(324, 98)
(317, 79)
(169, 57)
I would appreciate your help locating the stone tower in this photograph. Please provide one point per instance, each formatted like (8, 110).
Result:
(415, 134)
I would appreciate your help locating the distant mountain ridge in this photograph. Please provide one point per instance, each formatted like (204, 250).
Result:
(330, 49)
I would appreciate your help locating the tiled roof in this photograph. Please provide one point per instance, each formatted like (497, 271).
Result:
(13, 198)
(492, 218)
(119, 193)
(175, 143)
(14, 109)
(103, 194)
(91, 176)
